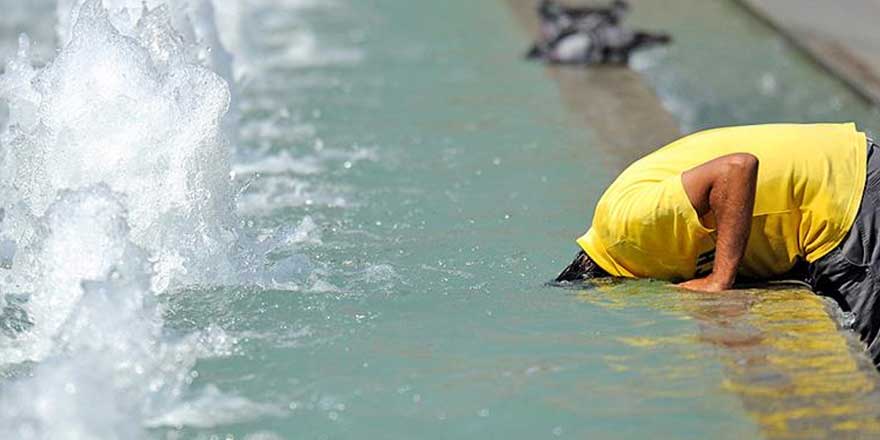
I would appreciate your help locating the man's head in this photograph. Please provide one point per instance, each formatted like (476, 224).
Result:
(582, 268)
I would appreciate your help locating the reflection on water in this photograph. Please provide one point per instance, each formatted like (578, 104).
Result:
(614, 103)
(783, 356)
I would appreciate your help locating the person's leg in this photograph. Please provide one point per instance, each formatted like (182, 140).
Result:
(854, 287)
(850, 274)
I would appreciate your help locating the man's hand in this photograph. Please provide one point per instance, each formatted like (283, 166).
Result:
(724, 188)
(707, 284)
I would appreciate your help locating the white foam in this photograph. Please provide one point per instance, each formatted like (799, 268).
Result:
(271, 193)
(193, 22)
(213, 408)
(281, 163)
(138, 116)
(115, 187)
(285, 162)
(98, 328)
(83, 236)
(115, 374)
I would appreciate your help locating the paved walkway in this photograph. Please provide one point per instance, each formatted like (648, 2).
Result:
(842, 36)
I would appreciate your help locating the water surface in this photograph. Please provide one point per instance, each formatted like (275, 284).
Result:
(432, 182)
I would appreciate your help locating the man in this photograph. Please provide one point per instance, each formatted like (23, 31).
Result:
(756, 202)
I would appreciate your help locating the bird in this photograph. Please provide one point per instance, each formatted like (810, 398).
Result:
(550, 10)
(556, 18)
(589, 35)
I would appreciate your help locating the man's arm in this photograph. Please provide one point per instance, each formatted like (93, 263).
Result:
(725, 188)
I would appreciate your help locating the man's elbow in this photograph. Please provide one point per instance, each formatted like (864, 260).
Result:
(741, 163)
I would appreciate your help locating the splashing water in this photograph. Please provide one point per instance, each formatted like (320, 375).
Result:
(110, 345)
(116, 186)
(101, 351)
(193, 21)
(136, 115)
(153, 22)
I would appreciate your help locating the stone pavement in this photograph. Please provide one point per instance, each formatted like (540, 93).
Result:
(842, 36)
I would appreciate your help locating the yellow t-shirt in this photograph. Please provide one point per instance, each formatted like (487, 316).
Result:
(810, 183)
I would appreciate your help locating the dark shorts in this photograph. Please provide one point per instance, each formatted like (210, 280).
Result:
(850, 274)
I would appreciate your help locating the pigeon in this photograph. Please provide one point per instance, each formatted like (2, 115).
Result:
(589, 35)
(555, 18)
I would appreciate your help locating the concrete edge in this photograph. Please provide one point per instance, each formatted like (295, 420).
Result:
(846, 67)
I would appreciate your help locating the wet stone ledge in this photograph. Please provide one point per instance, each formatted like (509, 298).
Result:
(842, 37)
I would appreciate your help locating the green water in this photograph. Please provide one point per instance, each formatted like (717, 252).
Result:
(449, 183)
(437, 322)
